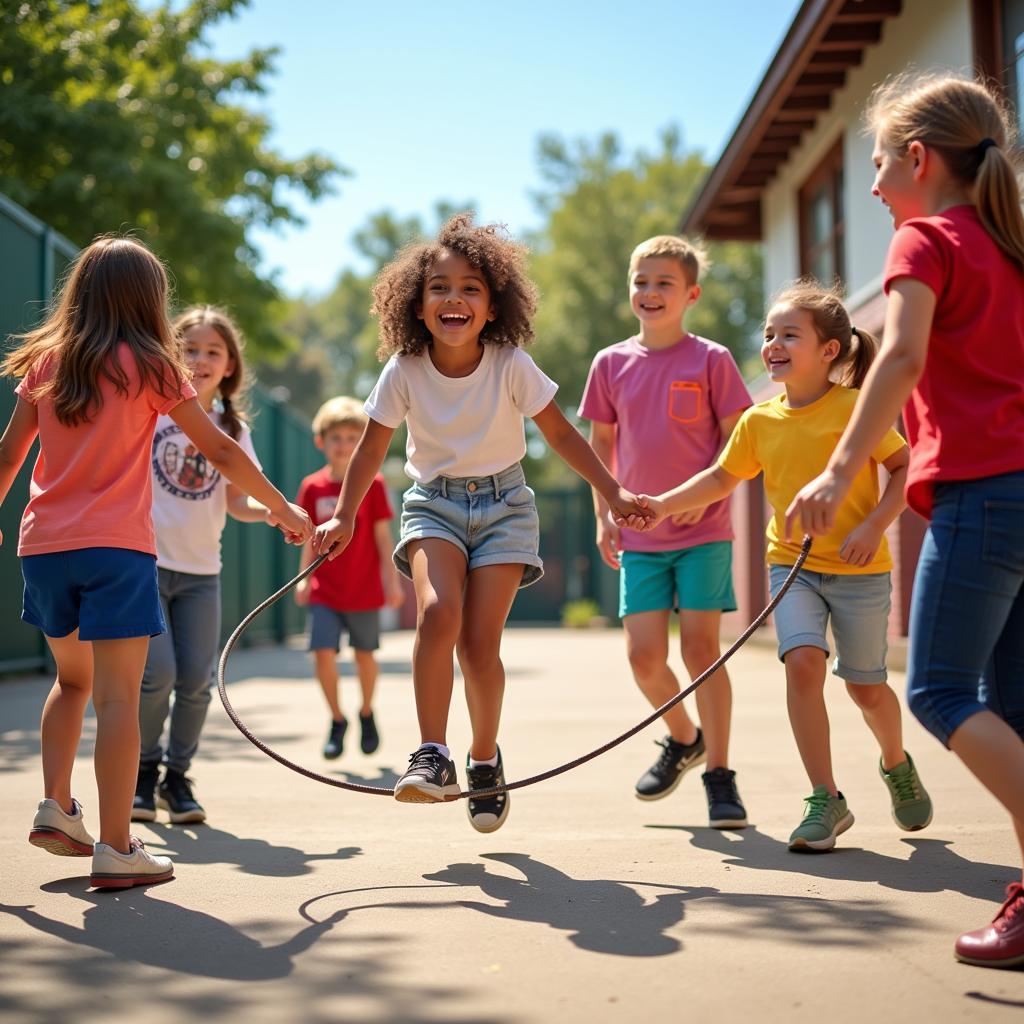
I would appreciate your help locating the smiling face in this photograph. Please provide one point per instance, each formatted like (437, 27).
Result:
(896, 181)
(209, 359)
(792, 352)
(660, 293)
(456, 301)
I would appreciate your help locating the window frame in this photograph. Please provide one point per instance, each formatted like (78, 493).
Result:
(831, 172)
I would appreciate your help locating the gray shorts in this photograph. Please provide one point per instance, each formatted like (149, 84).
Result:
(326, 626)
(858, 605)
(492, 520)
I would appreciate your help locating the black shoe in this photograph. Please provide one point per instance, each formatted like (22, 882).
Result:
(335, 740)
(144, 804)
(369, 738)
(676, 759)
(175, 795)
(487, 814)
(429, 778)
(725, 808)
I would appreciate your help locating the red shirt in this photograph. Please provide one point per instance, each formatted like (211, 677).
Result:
(965, 418)
(352, 582)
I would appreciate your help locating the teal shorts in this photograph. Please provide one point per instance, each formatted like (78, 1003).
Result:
(696, 579)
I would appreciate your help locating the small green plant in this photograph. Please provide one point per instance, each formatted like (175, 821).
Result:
(580, 614)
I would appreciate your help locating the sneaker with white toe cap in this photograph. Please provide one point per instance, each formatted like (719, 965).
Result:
(112, 869)
(60, 833)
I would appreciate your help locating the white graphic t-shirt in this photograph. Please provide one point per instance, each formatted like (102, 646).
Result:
(189, 500)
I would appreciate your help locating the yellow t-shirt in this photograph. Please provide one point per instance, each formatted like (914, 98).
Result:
(793, 446)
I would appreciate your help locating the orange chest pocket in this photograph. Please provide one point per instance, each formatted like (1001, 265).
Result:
(685, 401)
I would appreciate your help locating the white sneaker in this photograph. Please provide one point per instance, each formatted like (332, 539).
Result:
(56, 831)
(112, 869)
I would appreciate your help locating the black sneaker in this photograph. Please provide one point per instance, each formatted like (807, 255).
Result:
(174, 794)
(335, 740)
(676, 760)
(369, 738)
(725, 808)
(429, 778)
(144, 804)
(487, 814)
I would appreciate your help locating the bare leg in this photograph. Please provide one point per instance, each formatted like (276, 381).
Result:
(61, 725)
(490, 591)
(805, 698)
(327, 674)
(699, 636)
(438, 574)
(881, 710)
(366, 666)
(647, 648)
(118, 681)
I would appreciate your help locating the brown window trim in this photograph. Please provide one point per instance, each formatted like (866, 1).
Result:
(829, 171)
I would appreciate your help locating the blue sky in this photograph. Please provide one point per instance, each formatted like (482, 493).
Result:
(445, 100)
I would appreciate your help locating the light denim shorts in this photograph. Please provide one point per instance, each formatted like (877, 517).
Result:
(492, 520)
(858, 605)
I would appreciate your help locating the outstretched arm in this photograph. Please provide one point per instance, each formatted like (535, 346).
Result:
(15, 444)
(710, 485)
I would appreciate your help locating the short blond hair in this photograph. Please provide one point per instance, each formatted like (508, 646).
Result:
(691, 256)
(342, 411)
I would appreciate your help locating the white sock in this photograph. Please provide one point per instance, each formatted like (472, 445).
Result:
(440, 747)
(490, 762)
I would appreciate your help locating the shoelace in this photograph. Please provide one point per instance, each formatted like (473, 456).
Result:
(668, 758)
(135, 843)
(906, 786)
(425, 757)
(722, 789)
(1013, 906)
(815, 806)
(180, 786)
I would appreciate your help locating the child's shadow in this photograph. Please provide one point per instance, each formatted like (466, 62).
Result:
(600, 915)
(931, 867)
(204, 844)
(384, 779)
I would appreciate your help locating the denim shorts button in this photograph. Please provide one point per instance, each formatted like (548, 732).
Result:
(471, 486)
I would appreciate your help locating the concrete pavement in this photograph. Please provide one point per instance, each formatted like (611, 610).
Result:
(299, 902)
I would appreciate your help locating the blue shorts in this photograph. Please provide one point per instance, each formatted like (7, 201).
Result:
(326, 626)
(492, 520)
(857, 603)
(694, 579)
(104, 593)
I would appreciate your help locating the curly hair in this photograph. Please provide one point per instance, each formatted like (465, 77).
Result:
(399, 286)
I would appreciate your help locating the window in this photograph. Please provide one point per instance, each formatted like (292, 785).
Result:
(822, 223)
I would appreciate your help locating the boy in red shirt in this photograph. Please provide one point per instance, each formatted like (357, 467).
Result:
(346, 594)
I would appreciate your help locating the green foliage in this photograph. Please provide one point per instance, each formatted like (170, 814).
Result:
(581, 614)
(113, 117)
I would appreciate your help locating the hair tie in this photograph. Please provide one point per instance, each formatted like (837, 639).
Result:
(855, 332)
(984, 146)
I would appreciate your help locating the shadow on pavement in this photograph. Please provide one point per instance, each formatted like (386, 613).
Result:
(931, 867)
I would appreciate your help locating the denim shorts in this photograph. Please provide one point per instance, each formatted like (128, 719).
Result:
(697, 579)
(492, 520)
(858, 604)
(967, 614)
(326, 626)
(104, 593)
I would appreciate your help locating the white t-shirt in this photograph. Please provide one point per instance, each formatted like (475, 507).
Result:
(461, 426)
(189, 500)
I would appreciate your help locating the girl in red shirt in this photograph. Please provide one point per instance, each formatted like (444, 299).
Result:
(953, 358)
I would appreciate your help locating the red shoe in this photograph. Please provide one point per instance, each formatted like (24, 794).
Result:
(1000, 944)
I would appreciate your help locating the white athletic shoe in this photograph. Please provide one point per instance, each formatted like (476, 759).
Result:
(112, 869)
(58, 832)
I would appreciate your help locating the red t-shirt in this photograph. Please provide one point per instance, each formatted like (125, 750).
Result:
(965, 418)
(352, 581)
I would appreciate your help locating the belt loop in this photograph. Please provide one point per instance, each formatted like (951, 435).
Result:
(444, 486)
(497, 486)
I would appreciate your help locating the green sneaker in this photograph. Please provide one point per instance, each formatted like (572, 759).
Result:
(825, 817)
(911, 804)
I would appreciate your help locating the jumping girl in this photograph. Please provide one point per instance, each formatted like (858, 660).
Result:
(453, 317)
(954, 353)
(812, 349)
(190, 502)
(95, 377)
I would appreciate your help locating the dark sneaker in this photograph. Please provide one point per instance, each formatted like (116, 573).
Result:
(676, 759)
(174, 794)
(1000, 944)
(144, 804)
(725, 808)
(335, 740)
(429, 778)
(487, 814)
(369, 738)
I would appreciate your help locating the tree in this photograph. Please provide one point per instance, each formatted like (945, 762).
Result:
(113, 117)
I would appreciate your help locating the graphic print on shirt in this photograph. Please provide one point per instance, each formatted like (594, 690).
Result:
(325, 507)
(180, 468)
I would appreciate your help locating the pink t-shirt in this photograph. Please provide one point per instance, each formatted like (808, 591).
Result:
(666, 405)
(91, 485)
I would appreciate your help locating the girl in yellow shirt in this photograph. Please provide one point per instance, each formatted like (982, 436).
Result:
(812, 349)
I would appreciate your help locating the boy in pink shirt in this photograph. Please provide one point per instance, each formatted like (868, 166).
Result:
(661, 405)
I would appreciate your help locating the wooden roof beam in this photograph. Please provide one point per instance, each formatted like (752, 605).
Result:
(869, 10)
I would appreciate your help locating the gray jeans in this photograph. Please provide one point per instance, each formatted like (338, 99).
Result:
(180, 661)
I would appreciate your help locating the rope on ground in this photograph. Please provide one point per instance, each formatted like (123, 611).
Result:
(354, 787)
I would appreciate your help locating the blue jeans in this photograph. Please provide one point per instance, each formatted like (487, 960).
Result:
(181, 662)
(967, 617)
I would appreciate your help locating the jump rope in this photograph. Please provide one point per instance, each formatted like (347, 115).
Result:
(494, 790)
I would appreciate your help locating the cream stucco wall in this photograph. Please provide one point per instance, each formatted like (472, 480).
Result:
(928, 35)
